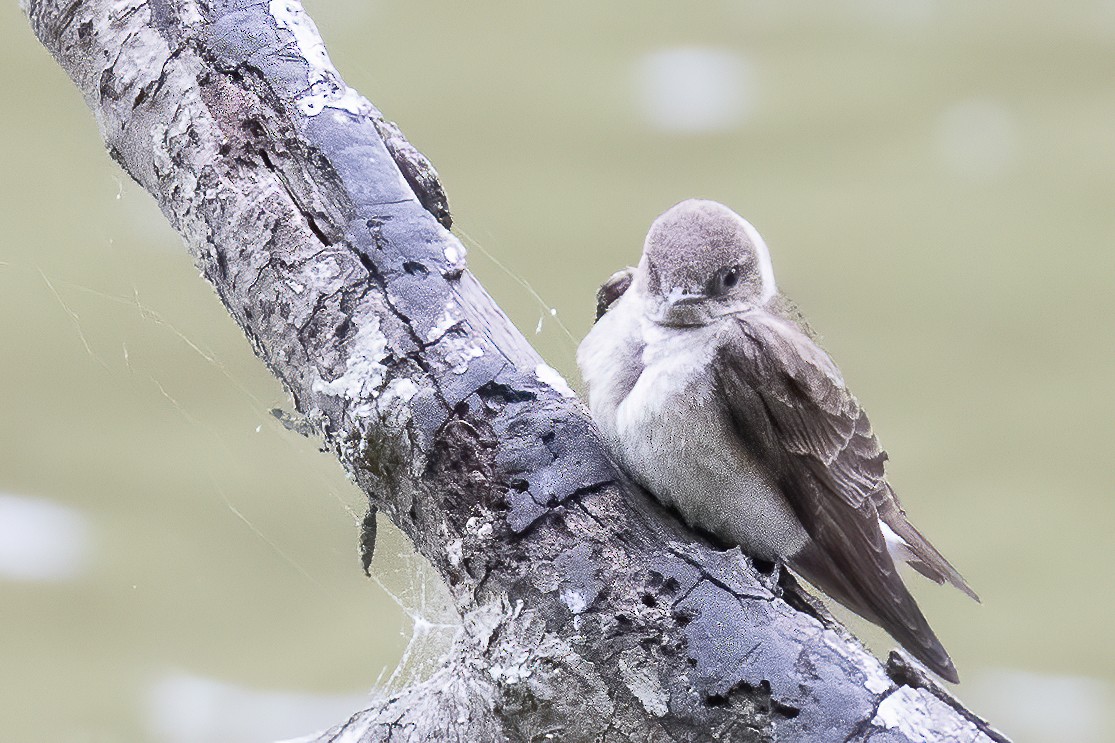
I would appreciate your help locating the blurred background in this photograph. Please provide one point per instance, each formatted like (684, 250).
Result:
(935, 182)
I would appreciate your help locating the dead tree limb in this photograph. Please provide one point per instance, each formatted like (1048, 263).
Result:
(589, 614)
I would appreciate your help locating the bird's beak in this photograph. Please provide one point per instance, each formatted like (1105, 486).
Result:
(683, 308)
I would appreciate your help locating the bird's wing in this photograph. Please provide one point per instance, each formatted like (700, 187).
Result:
(612, 289)
(787, 401)
(814, 420)
(834, 435)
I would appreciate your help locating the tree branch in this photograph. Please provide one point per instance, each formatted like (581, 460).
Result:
(588, 613)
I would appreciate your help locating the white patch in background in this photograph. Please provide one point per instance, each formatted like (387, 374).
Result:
(41, 540)
(549, 376)
(694, 90)
(977, 138)
(182, 708)
(1043, 707)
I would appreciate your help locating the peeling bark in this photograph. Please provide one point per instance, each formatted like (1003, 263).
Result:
(588, 612)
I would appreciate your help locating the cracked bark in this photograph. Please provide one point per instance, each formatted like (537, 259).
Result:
(588, 613)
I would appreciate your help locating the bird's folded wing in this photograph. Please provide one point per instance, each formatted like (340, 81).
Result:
(808, 416)
(787, 401)
(612, 289)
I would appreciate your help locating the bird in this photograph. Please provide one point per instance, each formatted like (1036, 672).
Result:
(711, 391)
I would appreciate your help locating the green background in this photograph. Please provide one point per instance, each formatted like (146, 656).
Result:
(935, 182)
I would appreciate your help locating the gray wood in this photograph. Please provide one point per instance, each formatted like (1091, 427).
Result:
(589, 613)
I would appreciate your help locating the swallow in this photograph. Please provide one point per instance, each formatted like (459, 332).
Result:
(713, 394)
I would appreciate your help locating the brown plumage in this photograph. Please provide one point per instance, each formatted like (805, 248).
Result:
(715, 396)
(785, 395)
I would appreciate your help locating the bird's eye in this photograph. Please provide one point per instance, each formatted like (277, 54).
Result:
(730, 277)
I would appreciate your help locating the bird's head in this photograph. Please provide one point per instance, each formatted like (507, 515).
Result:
(702, 261)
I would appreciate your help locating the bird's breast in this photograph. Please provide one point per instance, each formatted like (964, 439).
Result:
(672, 435)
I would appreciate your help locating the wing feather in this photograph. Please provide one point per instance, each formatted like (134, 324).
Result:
(787, 399)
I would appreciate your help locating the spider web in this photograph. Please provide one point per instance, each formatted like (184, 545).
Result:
(417, 590)
(430, 622)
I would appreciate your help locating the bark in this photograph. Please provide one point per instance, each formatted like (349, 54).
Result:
(588, 612)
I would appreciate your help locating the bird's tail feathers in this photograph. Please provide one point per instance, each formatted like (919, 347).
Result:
(903, 620)
(892, 607)
(924, 557)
